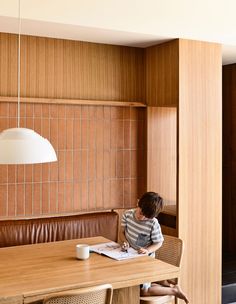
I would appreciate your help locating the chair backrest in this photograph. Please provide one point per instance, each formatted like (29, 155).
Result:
(171, 250)
(101, 294)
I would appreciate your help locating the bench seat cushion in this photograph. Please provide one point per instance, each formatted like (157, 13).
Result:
(39, 230)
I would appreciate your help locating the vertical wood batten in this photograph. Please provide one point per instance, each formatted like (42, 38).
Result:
(200, 173)
(55, 68)
(162, 74)
(162, 152)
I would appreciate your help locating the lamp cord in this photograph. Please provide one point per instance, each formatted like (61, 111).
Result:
(18, 72)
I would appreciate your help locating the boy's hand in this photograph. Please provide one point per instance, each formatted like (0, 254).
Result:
(124, 246)
(143, 250)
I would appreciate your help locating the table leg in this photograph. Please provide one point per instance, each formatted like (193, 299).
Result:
(128, 295)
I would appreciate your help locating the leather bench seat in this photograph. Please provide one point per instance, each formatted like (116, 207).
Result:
(39, 230)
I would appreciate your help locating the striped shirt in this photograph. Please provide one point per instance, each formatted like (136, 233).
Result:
(141, 233)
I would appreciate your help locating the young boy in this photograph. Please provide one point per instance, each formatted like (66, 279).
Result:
(140, 230)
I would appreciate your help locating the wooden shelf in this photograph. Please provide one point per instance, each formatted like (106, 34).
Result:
(73, 101)
(169, 209)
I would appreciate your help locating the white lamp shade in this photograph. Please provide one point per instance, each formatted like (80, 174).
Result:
(25, 146)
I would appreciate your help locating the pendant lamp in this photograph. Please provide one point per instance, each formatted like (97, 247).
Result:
(22, 145)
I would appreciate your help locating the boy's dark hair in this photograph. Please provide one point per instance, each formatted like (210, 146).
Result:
(150, 204)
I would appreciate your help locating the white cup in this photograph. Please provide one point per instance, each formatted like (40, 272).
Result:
(82, 251)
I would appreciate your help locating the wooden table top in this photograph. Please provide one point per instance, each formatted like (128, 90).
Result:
(26, 271)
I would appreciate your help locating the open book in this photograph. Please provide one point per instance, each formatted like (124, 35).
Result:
(113, 250)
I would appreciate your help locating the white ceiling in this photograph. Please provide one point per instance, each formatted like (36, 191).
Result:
(126, 22)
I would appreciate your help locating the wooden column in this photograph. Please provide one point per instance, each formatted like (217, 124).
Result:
(194, 88)
(200, 169)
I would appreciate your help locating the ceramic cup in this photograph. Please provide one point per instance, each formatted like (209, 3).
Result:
(82, 251)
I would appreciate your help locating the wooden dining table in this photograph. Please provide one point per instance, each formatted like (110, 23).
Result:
(29, 273)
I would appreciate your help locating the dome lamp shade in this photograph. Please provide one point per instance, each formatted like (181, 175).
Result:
(25, 146)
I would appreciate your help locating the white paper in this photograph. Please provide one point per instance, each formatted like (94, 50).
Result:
(113, 250)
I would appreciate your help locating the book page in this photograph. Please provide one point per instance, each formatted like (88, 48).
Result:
(113, 250)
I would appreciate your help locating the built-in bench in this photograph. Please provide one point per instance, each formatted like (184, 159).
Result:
(50, 229)
(167, 220)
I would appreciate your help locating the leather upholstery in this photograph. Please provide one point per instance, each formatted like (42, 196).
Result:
(39, 230)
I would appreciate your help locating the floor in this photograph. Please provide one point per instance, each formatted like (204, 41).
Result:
(229, 280)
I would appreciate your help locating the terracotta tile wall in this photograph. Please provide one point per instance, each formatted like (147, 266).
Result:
(101, 160)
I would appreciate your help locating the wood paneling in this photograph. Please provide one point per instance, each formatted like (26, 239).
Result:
(229, 159)
(80, 96)
(162, 152)
(54, 68)
(200, 181)
(162, 74)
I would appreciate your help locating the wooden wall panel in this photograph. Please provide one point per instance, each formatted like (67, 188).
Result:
(200, 169)
(162, 74)
(162, 152)
(8, 64)
(55, 68)
(229, 160)
(100, 160)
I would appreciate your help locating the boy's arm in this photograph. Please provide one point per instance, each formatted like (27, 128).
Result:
(122, 237)
(150, 249)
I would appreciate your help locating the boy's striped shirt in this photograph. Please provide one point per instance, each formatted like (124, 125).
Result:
(141, 233)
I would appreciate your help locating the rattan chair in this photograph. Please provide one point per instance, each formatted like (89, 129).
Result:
(101, 294)
(170, 252)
